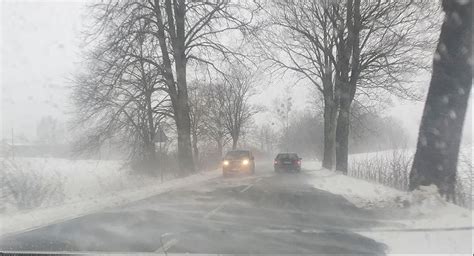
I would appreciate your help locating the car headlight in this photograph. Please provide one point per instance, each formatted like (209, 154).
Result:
(226, 162)
(245, 162)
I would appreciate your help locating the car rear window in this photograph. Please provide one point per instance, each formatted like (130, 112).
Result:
(287, 156)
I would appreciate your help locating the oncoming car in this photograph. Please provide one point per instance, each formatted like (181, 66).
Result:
(238, 161)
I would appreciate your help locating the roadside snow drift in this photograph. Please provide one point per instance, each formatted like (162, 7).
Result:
(418, 222)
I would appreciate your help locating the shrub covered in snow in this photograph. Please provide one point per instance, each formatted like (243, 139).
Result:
(26, 186)
(31, 183)
(390, 168)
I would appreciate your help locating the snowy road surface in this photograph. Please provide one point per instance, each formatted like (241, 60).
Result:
(262, 214)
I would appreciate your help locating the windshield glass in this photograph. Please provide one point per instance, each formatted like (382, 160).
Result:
(237, 155)
(236, 127)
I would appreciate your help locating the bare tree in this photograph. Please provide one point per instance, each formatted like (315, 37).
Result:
(214, 119)
(220, 111)
(237, 110)
(384, 43)
(305, 134)
(185, 32)
(340, 46)
(445, 108)
(307, 48)
(120, 94)
(282, 109)
(267, 138)
(199, 105)
(190, 27)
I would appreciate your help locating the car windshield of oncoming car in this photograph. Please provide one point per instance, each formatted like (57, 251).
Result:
(237, 155)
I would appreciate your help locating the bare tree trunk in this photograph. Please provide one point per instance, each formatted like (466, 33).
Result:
(183, 121)
(185, 155)
(341, 88)
(219, 148)
(330, 118)
(178, 91)
(235, 140)
(347, 90)
(445, 107)
(342, 136)
(176, 13)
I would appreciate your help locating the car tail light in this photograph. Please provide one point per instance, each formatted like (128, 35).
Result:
(299, 162)
(275, 162)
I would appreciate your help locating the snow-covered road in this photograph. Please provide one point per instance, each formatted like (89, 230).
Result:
(316, 211)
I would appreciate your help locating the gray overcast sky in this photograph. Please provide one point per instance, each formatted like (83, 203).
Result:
(40, 47)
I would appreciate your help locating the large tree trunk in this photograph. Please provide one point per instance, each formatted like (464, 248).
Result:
(235, 140)
(178, 91)
(183, 121)
(185, 155)
(219, 148)
(348, 88)
(445, 107)
(342, 136)
(330, 118)
(341, 86)
(342, 123)
(183, 125)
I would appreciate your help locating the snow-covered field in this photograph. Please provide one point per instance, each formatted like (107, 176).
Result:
(420, 222)
(63, 181)
(59, 189)
(392, 168)
(464, 161)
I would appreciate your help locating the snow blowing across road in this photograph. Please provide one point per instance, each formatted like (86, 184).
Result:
(88, 186)
(418, 222)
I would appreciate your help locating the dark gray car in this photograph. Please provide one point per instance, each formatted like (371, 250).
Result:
(287, 162)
